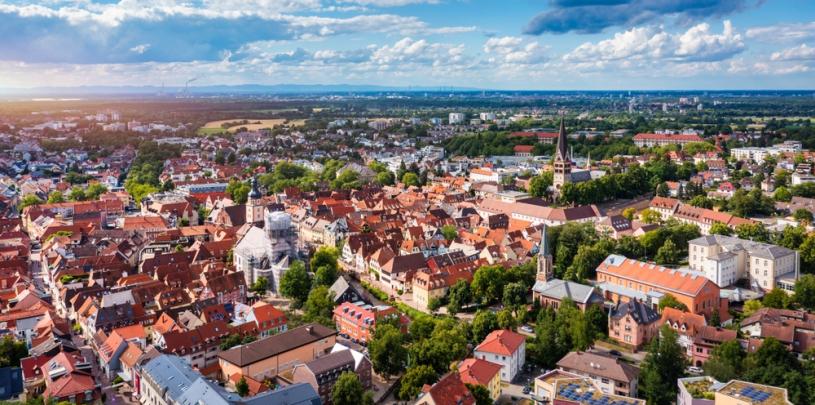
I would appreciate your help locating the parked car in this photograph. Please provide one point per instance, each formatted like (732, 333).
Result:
(615, 353)
(695, 370)
(527, 329)
(527, 390)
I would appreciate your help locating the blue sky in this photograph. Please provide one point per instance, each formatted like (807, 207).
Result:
(496, 44)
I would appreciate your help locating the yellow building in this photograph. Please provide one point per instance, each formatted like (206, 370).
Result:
(482, 372)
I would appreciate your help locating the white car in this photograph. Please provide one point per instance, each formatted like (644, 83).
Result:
(527, 329)
(695, 370)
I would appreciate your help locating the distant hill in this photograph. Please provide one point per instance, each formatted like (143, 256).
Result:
(222, 89)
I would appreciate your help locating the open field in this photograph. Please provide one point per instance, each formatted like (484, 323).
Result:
(216, 127)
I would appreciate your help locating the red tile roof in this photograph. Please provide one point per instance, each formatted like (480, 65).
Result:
(504, 342)
(478, 371)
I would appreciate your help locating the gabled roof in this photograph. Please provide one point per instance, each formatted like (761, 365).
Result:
(600, 365)
(262, 349)
(503, 342)
(478, 371)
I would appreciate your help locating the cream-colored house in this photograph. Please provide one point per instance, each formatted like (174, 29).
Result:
(726, 259)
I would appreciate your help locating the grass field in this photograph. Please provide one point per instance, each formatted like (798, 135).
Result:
(215, 127)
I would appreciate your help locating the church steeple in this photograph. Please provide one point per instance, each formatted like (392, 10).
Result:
(563, 163)
(562, 143)
(545, 266)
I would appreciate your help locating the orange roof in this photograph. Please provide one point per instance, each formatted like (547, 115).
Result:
(504, 342)
(477, 371)
(681, 282)
(685, 323)
(131, 332)
(131, 355)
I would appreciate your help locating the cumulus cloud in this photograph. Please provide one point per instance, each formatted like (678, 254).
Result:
(655, 44)
(802, 52)
(514, 50)
(87, 32)
(592, 16)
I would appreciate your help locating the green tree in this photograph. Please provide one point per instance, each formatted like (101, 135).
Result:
(385, 178)
(95, 190)
(751, 306)
(296, 283)
(506, 320)
(753, 231)
(347, 180)
(488, 283)
(238, 191)
(650, 216)
(260, 285)
(28, 201)
(514, 295)
(663, 365)
(776, 298)
(242, 387)
(539, 185)
(481, 394)
(803, 216)
(450, 232)
(805, 292)
(782, 194)
(55, 197)
(12, 351)
(347, 390)
(434, 304)
(662, 190)
(668, 253)
(77, 194)
(387, 351)
(484, 322)
(458, 296)
(319, 306)
(719, 228)
(324, 265)
(410, 179)
(669, 300)
(414, 379)
(725, 362)
(701, 202)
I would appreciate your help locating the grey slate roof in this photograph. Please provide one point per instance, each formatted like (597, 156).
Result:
(171, 372)
(204, 391)
(560, 289)
(641, 313)
(757, 249)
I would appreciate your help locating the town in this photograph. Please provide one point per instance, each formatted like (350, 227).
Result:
(409, 247)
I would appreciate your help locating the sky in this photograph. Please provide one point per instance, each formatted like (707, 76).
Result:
(487, 44)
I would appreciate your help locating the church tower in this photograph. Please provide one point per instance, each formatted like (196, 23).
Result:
(562, 164)
(254, 204)
(545, 263)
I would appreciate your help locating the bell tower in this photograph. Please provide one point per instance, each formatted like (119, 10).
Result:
(562, 164)
(254, 204)
(545, 263)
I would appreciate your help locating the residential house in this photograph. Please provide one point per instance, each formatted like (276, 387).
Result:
(506, 348)
(611, 374)
(481, 372)
(633, 323)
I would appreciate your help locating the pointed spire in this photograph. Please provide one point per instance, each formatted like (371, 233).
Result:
(543, 249)
(562, 144)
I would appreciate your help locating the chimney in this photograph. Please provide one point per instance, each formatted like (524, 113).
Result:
(309, 329)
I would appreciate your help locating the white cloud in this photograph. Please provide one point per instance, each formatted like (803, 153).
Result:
(389, 3)
(802, 52)
(783, 32)
(140, 49)
(653, 44)
(514, 50)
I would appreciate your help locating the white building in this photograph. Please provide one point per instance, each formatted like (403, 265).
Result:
(487, 116)
(267, 252)
(456, 118)
(506, 348)
(726, 259)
